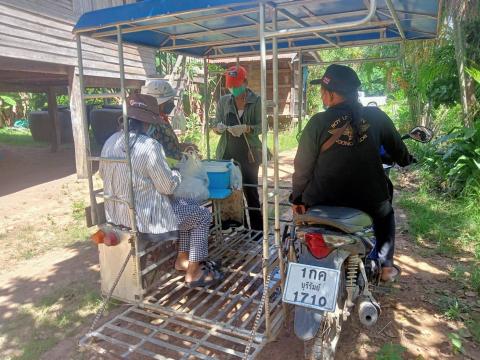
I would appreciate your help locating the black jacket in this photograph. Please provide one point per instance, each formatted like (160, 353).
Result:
(347, 174)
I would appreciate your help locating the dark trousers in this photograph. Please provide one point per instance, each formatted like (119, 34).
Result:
(250, 176)
(384, 227)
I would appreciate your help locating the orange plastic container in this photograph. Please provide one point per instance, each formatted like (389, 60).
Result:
(98, 237)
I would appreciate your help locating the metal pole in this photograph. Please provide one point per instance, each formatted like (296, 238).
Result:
(300, 91)
(395, 18)
(83, 116)
(206, 106)
(263, 92)
(131, 198)
(276, 147)
(325, 27)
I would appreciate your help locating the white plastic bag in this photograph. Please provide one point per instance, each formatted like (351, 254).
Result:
(236, 177)
(192, 188)
(194, 184)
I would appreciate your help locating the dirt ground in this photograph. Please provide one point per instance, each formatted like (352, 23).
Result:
(34, 187)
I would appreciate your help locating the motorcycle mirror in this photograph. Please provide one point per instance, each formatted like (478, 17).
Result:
(421, 134)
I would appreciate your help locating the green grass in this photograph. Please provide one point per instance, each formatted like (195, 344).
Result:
(40, 326)
(287, 141)
(390, 351)
(19, 137)
(452, 224)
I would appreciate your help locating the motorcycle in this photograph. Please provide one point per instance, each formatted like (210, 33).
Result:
(332, 268)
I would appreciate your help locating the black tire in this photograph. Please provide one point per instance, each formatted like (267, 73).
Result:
(324, 344)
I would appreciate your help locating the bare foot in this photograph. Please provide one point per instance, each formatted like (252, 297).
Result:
(390, 273)
(181, 263)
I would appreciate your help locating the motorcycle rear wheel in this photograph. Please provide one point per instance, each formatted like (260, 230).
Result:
(324, 344)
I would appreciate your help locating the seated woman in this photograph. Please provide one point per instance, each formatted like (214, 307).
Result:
(153, 185)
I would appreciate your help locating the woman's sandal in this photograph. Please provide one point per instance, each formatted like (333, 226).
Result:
(210, 264)
(393, 276)
(202, 282)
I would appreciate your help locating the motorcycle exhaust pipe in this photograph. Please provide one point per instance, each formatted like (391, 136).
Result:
(367, 312)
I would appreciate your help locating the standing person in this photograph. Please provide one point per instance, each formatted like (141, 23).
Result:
(153, 185)
(349, 172)
(238, 119)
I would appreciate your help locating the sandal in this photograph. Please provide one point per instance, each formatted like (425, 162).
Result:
(392, 277)
(202, 282)
(210, 264)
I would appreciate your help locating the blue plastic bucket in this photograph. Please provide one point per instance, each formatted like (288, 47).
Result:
(218, 174)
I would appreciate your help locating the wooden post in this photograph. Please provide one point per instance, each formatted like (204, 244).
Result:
(76, 110)
(55, 134)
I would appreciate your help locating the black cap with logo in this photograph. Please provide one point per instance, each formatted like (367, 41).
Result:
(339, 78)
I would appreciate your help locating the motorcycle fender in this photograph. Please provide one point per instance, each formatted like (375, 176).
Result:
(307, 321)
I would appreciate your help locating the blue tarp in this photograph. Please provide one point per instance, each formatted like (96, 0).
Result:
(215, 28)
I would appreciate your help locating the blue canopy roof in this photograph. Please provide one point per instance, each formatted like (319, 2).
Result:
(219, 28)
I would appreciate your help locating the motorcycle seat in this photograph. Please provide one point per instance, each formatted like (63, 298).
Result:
(345, 219)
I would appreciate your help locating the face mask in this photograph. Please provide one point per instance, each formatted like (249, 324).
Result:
(238, 91)
(168, 107)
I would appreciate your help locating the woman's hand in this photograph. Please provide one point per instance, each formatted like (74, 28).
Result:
(219, 128)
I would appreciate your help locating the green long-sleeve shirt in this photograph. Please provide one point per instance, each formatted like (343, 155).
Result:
(252, 116)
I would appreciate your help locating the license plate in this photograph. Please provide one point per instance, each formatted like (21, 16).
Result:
(311, 286)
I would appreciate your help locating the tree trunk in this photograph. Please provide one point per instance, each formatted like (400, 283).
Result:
(467, 86)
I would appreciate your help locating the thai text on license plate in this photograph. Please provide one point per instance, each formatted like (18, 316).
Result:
(311, 286)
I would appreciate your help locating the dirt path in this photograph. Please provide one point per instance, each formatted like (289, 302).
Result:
(411, 316)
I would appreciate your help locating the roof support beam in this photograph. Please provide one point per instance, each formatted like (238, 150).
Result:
(352, 61)
(395, 18)
(175, 22)
(303, 23)
(247, 41)
(280, 23)
(346, 44)
(325, 27)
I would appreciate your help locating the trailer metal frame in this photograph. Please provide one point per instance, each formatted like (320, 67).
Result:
(184, 323)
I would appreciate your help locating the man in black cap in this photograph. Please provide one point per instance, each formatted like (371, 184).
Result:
(338, 162)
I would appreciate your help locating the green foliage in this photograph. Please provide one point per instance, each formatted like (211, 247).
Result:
(455, 160)
(193, 133)
(475, 276)
(373, 75)
(18, 137)
(165, 62)
(390, 351)
(7, 101)
(474, 328)
(437, 78)
(456, 342)
(450, 223)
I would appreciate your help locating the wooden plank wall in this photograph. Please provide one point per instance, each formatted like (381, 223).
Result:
(57, 9)
(285, 82)
(28, 33)
(82, 6)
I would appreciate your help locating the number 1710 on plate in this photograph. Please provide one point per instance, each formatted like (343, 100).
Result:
(311, 286)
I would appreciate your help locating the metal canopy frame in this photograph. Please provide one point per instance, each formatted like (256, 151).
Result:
(270, 21)
(217, 28)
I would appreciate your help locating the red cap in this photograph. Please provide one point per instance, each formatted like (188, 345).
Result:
(235, 76)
